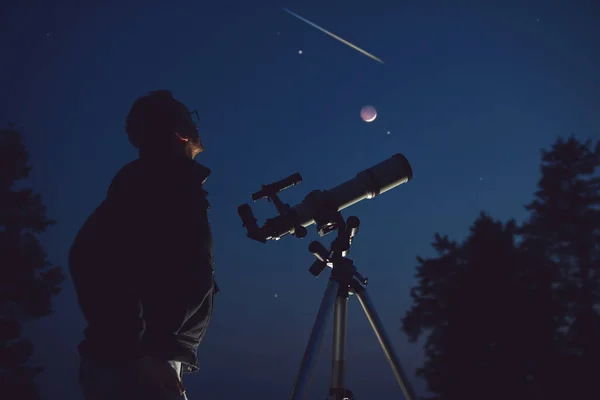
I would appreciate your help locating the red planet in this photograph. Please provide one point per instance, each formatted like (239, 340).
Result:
(368, 113)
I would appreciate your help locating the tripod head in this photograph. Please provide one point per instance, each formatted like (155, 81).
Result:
(335, 257)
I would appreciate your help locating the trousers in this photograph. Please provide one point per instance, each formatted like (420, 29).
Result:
(100, 382)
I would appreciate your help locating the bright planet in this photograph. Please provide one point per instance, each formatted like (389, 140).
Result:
(368, 113)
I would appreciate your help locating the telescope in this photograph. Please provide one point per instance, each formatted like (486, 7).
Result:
(322, 207)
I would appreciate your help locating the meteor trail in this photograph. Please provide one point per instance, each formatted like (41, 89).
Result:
(333, 36)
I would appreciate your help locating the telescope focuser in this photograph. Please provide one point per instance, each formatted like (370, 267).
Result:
(269, 192)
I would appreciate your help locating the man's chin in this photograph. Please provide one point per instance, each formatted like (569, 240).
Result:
(198, 146)
(197, 150)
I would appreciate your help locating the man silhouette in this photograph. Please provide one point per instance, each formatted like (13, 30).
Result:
(142, 264)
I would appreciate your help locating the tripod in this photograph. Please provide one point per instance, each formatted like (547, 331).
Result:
(344, 281)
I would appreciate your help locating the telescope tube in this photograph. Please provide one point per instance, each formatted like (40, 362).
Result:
(367, 184)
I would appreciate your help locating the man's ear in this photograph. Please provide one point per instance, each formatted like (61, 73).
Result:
(182, 138)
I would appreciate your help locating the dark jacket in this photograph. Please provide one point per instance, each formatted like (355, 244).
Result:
(142, 265)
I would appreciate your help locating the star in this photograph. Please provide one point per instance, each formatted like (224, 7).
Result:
(299, 51)
(276, 295)
(537, 20)
(47, 34)
(480, 178)
(388, 132)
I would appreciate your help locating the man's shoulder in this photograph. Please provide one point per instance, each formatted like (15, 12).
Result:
(127, 177)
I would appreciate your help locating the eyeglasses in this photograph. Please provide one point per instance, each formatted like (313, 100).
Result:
(195, 117)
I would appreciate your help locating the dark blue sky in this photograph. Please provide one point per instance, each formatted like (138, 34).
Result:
(470, 91)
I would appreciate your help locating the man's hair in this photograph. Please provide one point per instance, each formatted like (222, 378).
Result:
(152, 119)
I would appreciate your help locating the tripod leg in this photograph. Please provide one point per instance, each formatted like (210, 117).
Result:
(340, 318)
(314, 341)
(384, 341)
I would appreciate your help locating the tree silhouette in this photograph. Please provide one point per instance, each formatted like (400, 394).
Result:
(27, 280)
(565, 221)
(491, 330)
(513, 312)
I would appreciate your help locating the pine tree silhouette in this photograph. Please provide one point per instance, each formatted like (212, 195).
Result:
(565, 221)
(513, 312)
(27, 280)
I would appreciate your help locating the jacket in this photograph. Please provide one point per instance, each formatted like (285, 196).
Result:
(142, 265)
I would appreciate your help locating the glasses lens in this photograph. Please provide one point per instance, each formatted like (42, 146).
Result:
(195, 117)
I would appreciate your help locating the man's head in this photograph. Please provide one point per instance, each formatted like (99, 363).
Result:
(159, 124)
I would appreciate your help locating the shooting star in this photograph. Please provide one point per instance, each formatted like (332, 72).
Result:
(334, 36)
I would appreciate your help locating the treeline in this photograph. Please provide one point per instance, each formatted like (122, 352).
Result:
(27, 279)
(513, 310)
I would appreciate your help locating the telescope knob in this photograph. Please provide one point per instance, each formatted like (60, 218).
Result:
(317, 267)
(353, 222)
(300, 232)
(361, 279)
(319, 251)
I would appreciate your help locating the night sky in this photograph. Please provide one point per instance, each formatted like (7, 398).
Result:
(469, 92)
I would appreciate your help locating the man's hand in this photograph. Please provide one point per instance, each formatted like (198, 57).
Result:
(158, 374)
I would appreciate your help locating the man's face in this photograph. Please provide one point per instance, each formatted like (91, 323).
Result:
(188, 131)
